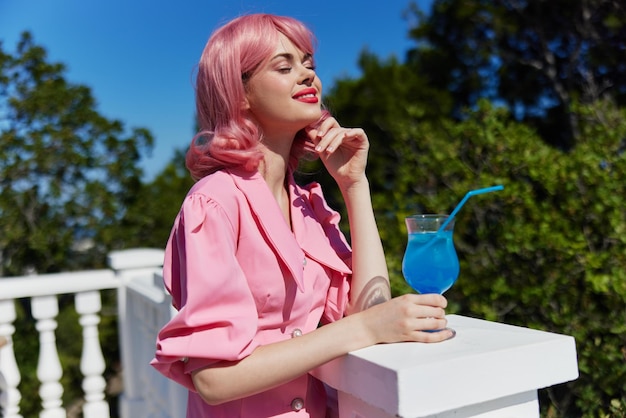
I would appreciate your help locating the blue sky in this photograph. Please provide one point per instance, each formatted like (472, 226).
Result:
(138, 56)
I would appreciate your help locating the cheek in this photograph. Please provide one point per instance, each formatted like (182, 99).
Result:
(269, 93)
(318, 85)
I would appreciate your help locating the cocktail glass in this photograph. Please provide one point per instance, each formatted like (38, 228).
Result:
(430, 263)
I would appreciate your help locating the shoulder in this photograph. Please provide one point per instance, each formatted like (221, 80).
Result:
(220, 187)
(231, 189)
(217, 183)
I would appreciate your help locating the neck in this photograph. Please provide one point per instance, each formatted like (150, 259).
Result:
(276, 151)
(273, 168)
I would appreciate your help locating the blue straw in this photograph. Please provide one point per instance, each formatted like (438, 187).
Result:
(462, 202)
(456, 210)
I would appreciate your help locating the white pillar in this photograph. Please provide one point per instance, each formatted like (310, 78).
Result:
(132, 265)
(88, 305)
(489, 370)
(8, 365)
(45, 309)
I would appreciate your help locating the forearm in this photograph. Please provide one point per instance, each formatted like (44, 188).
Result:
(370, 277)
(278, 363)
(269, 366)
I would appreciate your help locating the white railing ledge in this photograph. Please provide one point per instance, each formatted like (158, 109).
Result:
(57, 284)
(136, 258)
(488, 370)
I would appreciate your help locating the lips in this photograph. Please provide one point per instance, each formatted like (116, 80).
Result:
(308, 95)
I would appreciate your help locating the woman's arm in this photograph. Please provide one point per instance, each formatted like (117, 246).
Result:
(370, 278)
(344, 153)
(399, 319)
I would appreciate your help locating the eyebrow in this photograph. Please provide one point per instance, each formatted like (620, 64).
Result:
(289, 56)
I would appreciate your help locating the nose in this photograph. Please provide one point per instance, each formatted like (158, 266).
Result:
(308, 76)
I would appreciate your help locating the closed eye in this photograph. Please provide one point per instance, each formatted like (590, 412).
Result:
(284, 62)
(308, 62)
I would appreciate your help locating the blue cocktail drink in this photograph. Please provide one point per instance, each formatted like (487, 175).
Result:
(430, 263)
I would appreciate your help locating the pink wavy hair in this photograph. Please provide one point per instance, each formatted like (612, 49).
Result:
(227, 138)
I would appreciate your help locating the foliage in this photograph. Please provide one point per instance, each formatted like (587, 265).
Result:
(388, 96)
(148, 220)
(552, 245)
(547, 252)
(537, 56)
(68, 175)
(67, 172)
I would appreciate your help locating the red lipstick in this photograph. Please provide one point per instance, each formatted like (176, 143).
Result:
(308, 95)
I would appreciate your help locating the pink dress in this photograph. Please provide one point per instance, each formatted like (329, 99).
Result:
(240, 278)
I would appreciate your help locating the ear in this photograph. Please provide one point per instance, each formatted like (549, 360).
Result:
(245, 105)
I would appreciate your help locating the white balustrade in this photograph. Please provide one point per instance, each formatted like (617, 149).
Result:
(43, 291)
(88, 305)
(8, 366)
(3, 383)
(488, 370)
(49, 371)
(143, 303)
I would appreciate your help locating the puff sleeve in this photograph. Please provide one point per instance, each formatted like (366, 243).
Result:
(217, 318)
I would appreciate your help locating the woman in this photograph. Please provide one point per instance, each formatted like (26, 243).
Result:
(255, 263)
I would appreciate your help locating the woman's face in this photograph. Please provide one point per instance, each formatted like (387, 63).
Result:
(284, 95)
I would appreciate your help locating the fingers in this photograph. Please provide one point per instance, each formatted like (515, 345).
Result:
(437, 336)
(427, 319)
(429, 324)
(331, 141)
(329, 136)
(429, 330)
(430, 299)
(317, 133)
(421, 318)
(434, 312)
(327, 125)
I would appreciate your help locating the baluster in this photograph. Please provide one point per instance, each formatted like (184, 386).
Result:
(8, 365)
(88, 305)
(49, 372)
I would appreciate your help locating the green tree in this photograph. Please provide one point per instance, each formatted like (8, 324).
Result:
(67, 176)
(547, 252)
(67, 173)
(149, 219)
(389, 95)
(539, 57)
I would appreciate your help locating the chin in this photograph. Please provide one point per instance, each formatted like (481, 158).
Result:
(314, 118)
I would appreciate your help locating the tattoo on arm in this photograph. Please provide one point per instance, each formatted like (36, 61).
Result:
(375, 291)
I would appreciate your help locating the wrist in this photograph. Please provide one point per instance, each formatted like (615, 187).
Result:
(362, 334)
(356, 185)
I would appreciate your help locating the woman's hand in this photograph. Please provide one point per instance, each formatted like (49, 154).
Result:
(408, 318)
(342, 150)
